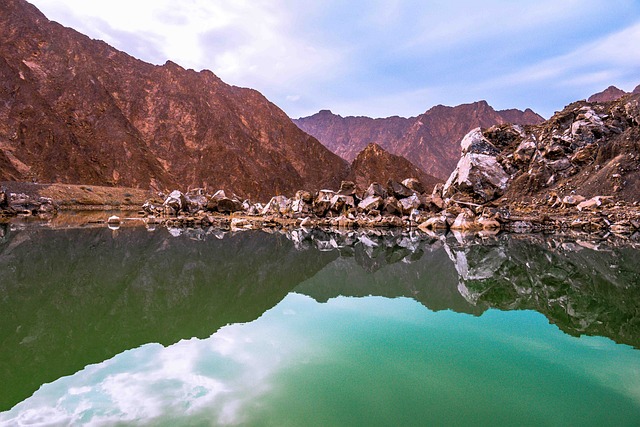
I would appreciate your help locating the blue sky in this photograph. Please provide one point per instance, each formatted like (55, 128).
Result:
(381, 58)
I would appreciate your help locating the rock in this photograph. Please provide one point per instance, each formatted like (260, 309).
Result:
(590, 204)
(370, 203)
(227, 205)
(465, 221)
(238, 223)
(434, 223)
(414, 185)
(398, 190)
(560, 164)
(322, 202)
(176, 201)
(475, 142)
(573, 200)
(278, 205)
(525, 151)
(392, 206)
(305, 196)
(347, 188)
(488, 223)
(300, 207)
(4, 200)
(478, 175)
(196, 199)
(410, 203)
(340, 203)
(376, 190)
(149, 207)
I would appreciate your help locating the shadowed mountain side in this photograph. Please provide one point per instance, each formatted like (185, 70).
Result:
(76, 110)
(110, 293)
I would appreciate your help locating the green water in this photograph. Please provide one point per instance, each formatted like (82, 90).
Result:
(123, 327)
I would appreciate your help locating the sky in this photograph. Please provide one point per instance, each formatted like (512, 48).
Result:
(381, 58)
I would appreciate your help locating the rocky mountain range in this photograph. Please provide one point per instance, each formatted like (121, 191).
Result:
(76, 110)
(430, 140)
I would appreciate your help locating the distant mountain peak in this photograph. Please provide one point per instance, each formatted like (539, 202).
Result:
(430, 140)
(611, 93)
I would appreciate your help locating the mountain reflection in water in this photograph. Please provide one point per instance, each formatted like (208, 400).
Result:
(75, 297)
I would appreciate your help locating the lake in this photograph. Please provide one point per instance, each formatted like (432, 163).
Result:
(206, 327)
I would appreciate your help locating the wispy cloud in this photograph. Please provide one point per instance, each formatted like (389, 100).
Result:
(380, 57)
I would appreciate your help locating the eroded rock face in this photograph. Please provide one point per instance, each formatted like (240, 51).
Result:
(588, 149)
(75, 110)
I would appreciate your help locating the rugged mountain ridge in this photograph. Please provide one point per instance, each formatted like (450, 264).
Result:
(76, 110)
(611, 93)
(430, 140)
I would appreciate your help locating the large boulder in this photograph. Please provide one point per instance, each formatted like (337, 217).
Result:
(196, 200)
(392, 206)
(414, 184)
(322, 202)
(212, 203)
(176, 201)
(475, 142)
(277, 205)
(398, 190)
(347, 188)
(229, 205)
(370, 203)
(478, 173)
(410, 203)
(375, 190)
(340, 203)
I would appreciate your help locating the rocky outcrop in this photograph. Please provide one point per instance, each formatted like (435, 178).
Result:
(376, 164)
(76, 110)
(580, 169)
(430, 141)
(20, 204)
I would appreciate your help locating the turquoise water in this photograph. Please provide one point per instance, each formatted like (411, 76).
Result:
(134, 327)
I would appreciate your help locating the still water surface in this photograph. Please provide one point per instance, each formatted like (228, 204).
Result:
(104, 327)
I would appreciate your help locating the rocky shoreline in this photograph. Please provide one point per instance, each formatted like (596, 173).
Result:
(402, 205)
(396, 205)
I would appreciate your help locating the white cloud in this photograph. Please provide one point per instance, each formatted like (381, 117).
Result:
(378, 56)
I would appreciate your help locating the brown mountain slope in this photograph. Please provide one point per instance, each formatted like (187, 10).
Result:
(76, 110)
(374, 164)
(430, 140)
(611, 93)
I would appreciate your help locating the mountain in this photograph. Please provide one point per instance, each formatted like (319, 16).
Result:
(376, 164)
(611, 93)
(76, 110)
(430, 140)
